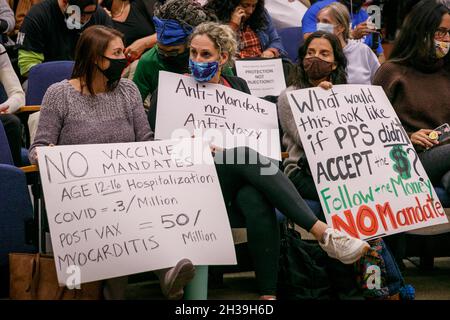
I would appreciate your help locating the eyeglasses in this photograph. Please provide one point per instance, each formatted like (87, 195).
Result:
(164, 53)
(442, 32)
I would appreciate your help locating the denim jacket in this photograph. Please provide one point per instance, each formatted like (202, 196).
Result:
(269, 37)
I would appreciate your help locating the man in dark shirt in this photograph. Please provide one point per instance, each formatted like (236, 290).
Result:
(51, 30)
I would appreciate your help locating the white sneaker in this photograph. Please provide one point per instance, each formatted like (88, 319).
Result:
(339, 245)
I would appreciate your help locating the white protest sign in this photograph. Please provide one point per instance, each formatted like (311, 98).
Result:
(369, 178)
(118, 209)
(226, 117)
(265, 77)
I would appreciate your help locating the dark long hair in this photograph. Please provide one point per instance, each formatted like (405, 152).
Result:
(224, 9)
(90, 49)
(415, 43)
(300, 79)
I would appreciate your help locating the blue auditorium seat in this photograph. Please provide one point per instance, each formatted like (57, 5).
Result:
(42, 76)
(292, 39)
(16, 211)
(443, 196)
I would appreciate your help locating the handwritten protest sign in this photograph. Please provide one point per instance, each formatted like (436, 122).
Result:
(118, 209)
(226, 117)
(265, 77)
(368, 176)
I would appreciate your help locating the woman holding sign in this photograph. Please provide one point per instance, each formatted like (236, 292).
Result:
(211, 47)
(97, 106)
(174, 21)
(416, 80)
(321, 62)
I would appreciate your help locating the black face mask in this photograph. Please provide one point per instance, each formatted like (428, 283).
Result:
(177, 63)
(353, 6)
(115, 69)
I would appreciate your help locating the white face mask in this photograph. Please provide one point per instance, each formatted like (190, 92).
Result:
(442, 48)
(327, 27)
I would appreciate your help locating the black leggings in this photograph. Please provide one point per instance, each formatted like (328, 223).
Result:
(256, 195)
(436, 162)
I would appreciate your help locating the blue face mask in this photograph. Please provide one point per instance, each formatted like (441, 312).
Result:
(203, 71)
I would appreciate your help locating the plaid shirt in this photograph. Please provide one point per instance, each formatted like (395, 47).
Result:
(249, 44)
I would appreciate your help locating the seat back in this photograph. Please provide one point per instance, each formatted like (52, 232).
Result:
(16, 216)
(443, 196)
(42, 76)
(292, 39)
(5, 151)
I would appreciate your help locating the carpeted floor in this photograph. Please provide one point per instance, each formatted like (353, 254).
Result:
(429, 285)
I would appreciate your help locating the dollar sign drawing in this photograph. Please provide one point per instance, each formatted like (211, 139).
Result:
(401, 162)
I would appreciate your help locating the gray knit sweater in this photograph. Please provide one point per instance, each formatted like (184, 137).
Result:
(68, 117)
(291, 139)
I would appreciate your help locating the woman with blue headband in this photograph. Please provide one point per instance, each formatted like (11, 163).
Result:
(174, 21)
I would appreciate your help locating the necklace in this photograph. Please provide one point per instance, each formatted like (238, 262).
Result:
(121, 11)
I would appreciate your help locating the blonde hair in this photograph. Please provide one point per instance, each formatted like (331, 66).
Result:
(340, 13)
(221, 35)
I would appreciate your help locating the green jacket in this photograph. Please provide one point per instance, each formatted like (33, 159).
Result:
(146, 76)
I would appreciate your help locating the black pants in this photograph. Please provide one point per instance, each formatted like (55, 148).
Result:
(257, 186)
(13, 129)
(436, 162)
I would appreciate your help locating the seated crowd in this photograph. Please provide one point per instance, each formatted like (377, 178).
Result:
(119, 47)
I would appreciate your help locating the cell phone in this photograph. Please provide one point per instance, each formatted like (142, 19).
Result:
(444, 130)
(376, 39)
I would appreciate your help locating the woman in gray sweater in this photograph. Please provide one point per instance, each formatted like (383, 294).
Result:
(97, 106)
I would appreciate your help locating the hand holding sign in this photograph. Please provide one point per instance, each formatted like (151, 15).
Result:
(118, 209)
(226, 117)
(367, 173)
